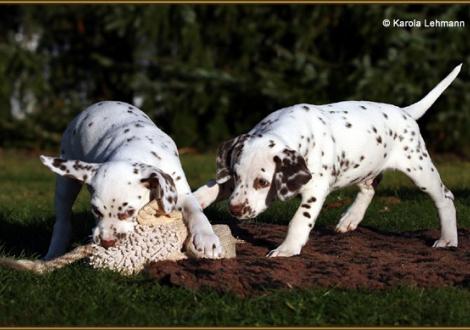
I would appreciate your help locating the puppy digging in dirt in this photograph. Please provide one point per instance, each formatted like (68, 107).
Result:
(125, 160)
(313, 150)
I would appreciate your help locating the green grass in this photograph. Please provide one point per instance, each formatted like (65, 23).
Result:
(78, 295)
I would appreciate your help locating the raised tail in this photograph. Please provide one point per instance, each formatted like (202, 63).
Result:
(418, 109)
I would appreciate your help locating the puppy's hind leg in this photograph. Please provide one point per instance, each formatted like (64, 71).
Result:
(424, 174)
(213, 192)
(65, 194)
(355, 213)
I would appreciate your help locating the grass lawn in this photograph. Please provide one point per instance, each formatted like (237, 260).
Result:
(78, 295)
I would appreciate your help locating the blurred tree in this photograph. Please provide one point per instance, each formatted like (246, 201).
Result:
(207, 72)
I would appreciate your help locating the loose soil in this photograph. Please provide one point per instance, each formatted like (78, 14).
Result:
(365, 258)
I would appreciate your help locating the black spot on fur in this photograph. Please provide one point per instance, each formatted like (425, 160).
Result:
(312, 199)
(155, 155)
(57, 162)
(307, 215)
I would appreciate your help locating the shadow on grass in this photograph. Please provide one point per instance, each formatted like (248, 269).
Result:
(31, 238)
(282, 212)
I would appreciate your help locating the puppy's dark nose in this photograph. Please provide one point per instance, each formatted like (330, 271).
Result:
(236, 209)
(108, 243)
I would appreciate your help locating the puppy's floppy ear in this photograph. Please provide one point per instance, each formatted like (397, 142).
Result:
(227, 153)
(74, 169)
(291, 173)
(162, 188)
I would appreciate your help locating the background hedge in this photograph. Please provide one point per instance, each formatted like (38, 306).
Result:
(207, 72)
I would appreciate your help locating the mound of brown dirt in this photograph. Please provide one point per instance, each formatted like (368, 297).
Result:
(364, 258)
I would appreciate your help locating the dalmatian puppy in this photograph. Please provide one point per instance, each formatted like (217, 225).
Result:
(312, 150)
(125, 160)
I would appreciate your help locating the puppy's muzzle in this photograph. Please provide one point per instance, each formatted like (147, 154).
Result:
(107, 243)
(236, 209)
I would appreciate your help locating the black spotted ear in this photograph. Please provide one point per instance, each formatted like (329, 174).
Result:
(74, 169)
(162, 189)
(227, 153)
(291, 174)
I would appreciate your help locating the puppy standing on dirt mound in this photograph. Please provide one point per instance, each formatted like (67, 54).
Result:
(126, 161)
(312, 150)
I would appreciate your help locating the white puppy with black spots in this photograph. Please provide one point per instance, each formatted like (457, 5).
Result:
(125, 160)
(313, 150)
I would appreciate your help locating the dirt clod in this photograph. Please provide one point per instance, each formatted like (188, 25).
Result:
(365, 258)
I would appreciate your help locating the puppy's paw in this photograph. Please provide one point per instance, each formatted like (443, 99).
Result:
(207, 244)
(348, 222)
(284, 250)
(444, 243)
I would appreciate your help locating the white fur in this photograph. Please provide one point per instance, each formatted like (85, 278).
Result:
(113, 147)
(342, 144)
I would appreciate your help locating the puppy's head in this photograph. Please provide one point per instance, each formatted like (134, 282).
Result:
(261, 171)
(118, 191)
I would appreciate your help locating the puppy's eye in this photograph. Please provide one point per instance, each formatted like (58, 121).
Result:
(126, 214)
(260, 183)
(96, 212)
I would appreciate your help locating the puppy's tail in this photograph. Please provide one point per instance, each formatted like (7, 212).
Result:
(418, 109)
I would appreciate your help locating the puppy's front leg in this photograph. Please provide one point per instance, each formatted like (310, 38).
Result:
(202, 235)
(302, 223)
(66, 192)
